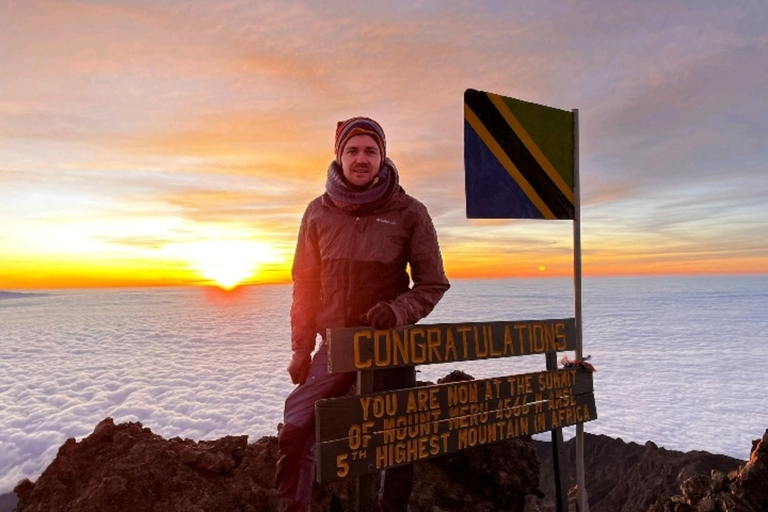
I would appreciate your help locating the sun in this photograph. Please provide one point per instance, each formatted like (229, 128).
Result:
(228, 263)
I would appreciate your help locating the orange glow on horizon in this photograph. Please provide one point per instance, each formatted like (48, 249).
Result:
(177, 268)
(219, 296)
(101, 278)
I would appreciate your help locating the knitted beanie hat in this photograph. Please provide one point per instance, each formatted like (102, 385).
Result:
(345, 130)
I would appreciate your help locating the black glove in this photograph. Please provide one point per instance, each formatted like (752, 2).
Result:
(298, 368)
(381, 316)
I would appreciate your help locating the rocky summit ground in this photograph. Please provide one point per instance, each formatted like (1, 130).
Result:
(127, 468)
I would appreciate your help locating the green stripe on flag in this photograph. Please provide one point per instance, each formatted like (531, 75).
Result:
(552, 131)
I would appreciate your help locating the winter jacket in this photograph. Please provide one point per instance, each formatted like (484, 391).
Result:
(347, 262)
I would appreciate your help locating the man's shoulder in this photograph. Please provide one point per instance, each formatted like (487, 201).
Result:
(414, 205)
(316, 203)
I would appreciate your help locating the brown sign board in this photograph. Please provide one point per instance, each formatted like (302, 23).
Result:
(364, 348)
(366, 433)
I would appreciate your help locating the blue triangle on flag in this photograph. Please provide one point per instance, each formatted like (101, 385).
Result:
(491, 192)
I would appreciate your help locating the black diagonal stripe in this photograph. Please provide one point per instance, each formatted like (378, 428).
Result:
(486, 111)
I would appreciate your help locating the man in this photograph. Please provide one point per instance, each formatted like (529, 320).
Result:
(354, 244)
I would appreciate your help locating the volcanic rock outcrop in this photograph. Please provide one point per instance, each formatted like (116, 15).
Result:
(127, 468)
(628, 477)
(741, 490)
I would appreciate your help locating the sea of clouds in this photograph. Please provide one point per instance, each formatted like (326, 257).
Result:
(680, 360)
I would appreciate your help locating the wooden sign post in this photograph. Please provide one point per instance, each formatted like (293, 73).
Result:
(370, 432)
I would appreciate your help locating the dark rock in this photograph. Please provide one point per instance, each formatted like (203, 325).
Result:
(695, 488)
(627, 477)
(127, 468)
(706, 504)
(745, 490)
(718, 481)
(455, 376)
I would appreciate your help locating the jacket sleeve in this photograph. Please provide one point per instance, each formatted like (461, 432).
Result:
(427, 273)
(307, 288)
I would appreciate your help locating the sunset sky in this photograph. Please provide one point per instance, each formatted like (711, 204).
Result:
(174, 142)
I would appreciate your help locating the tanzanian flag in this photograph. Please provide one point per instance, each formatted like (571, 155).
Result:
(518, 158)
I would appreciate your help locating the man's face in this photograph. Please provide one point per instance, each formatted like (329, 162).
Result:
(360, 160)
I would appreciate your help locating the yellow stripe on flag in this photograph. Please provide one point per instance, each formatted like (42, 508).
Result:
(526, 139)
(502, 157)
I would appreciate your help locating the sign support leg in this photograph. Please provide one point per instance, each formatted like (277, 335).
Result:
(364, 483)
(561, 490)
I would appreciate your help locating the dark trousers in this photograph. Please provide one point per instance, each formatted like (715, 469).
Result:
(296, 441)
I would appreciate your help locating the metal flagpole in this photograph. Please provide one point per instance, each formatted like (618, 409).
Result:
(581, 497)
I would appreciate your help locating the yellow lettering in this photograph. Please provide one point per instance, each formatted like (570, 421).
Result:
(488, 330)
(434, 341)
(365, 403)
(354, 437)
(560, 335)
(450, 346)
(400, 453)
(472, 436)
(411, 407)
(509, 345)
(423, 399)
(381, 341)
(400, 347)
(381, 456)
(434, 445)
(549, 338)
(520, 328)
(422, 353)
(478, 351)
(464, 329)
(423, 447)
(433, 398)
(342, 465)
(413, 450)
(538, 338)
(453, 395)
(462, 439)
(389, 430)
(359, 363)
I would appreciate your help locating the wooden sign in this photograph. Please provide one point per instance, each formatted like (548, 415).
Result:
(367, 433)
(518, 158)
(364, 348)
